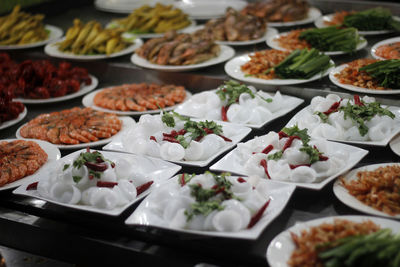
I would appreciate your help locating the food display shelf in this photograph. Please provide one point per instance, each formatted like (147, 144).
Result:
(89, 239)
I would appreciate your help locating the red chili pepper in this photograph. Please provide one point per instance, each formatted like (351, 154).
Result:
(263, 163)
(267, 149)
(293, 166)
(218, 189)
(224, 110)
(32, 186)
(141, 188)
(99, 160)
(181, 132)
(91, 177)
(153, 138)
(357, 100)
(106, 184)
(282, 135)
(257, 216)
(173, 133)
(289, 142)
(198, 138)
(323, 158)
(241, 180)
(88, 149)
(333, 108)
(98, 167)
(226, 139)
(183, 182)
(170, 139)
(208, 131)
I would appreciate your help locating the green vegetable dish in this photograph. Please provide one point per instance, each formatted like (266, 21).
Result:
(374, 19)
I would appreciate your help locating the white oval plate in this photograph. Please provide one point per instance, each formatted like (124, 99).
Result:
(51, 49)
(384, 42)
(268, 33)
(273, 43)
(9, 123)
(125, 6)
(232, 162)
(232, 68)
(281, 247)
(396, 110)
(319, 23)
(184, 109)
(87, 101)
(343, 195)
(54, 34)
(225, 54)
(240, 133)
(129, 35)
(313, 14)
(160, 171)
(83, 90)
(395, 145)
(279, 194)
(357, 88)
(208, 9)
(53, 154)
(127, 122)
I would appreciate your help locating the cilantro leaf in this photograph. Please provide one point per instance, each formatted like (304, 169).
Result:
(168, 119)
(231, 91)
(204, 208)
(76, 178)
(323, 116)
(66, 166)
(312, 152)
(295, 131)
(268, 100)
(276, 155)
(201, 194)
(181, 139)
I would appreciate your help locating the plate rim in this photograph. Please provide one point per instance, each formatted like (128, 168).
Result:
(395, 141)
(312, 15)
(382, 42)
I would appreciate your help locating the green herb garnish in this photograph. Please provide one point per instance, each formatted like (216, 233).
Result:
(203, 208)
(312, 152)
(276, 156)
(295, 130)
(168, 118)
(66, 166)
(76, 178)
(231, 91)
(323, 116)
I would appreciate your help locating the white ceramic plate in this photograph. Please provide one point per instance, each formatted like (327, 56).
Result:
(279, 194)
(53, 154)
(54, 34)
(231, 163)
(384, 42)
(273, 43)
(51, 49)
(83, 90)
(240, 133)
(319, 23)
(281, 247)
(225, 54)
(395, 145)
(87, 101)
(299, 116)
(125, 6)
(208, 9)
(184, 109)
(127, 122)
(160, 171)
(343, 195)
(313, 14)
(9, 123)
(268, 33)
(232, 68)
(358, 89)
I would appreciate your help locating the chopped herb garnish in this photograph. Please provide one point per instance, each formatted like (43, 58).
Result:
(169, 120)
(66, 166)
(268, 100)
(203, 208)
(76, 178)
(231, 91)
(312, 152)
(187, 177)
(182, 141)
(201, 194)
(295, 131)
(324, 117)
(276, 155)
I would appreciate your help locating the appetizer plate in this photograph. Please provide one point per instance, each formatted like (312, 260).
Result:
(87, 101)
(299, 116)
(384, 42)
(358, 89)
(159, 170)
(231, 163)
(208, 9)
(282, 246)
(279, 194)
(125, 6)
(225, 54)
(53, 154)
(241, 132)
(313, 14)
(51, 49)
(273, 43)
(127, 122)
(54, 34)
(232, 68)
(129, 35)
(184, 109)
(395, 145)
(343, 195)
(319, 23)
(268, 33)
(9, 123)
(83, 90)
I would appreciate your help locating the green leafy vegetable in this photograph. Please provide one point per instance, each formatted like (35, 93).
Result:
(66, 166)
(312, 152)
(332, 38)
(295, 130)
(276, 155)
(374, 19)
(76, 178)
(203, 208)
(302, 64)
(231, 91)
(88, 157)
(323, 116)
(182, 140)
(386, 72)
